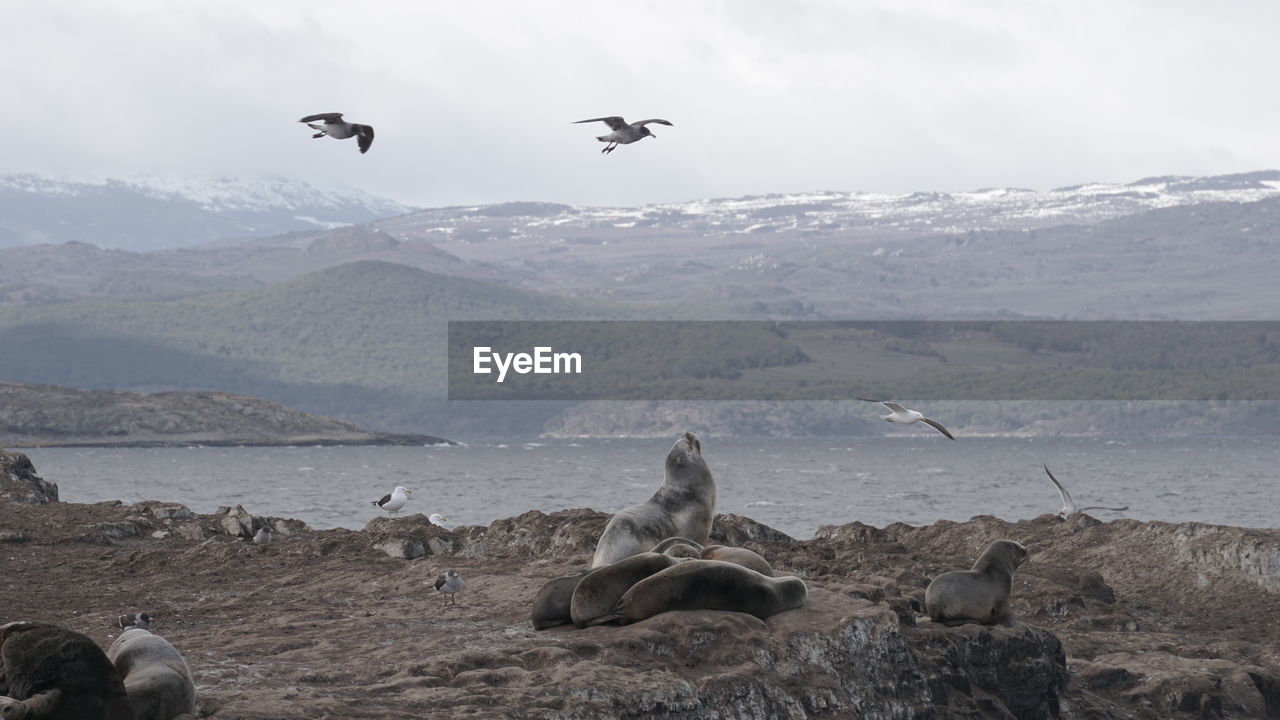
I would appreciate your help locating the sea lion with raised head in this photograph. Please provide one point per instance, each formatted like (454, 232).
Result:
(710, 585)
(684, 506)
(155, 676)
(738, 556)
(49, 672)
(596, 596)
(551, 604)
(978, 595)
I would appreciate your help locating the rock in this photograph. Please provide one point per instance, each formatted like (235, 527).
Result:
(403, 548)
(110, 531)
(19, 482)
(238, 522)
(171, 511)
(193, 531)
(737, 530)
(14, 536)
(1203, 687)
(1091, 585)
(534, 534)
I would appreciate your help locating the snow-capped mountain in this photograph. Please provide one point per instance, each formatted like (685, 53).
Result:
(844, 212)
(150, 213)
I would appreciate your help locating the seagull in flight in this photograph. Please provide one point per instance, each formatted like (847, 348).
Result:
(1068, 505)
(335, 127)
(624, 133)
(393, 501)
(903, 416)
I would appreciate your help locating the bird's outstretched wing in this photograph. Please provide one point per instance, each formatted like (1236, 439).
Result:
(935, 425)
(651, 120)
(1066, 496)
(870, 400)
(327, 117)
(381, 501)
(613, 121)
(364, 137)
(1099, 507)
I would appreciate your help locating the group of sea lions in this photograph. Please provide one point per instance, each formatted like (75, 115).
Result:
(48, 672)
(654, 557)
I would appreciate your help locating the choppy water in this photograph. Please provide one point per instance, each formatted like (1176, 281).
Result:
(793, 485)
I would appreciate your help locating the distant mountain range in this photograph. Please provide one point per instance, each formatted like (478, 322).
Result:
(349, 322)
(156, 213)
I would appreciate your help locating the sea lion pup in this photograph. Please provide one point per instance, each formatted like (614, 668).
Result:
(979, 595)
(52, 673)
(684, 506)
(710, 585)
(155, 676)
(738, 556)
(596, 596)
(551, 604)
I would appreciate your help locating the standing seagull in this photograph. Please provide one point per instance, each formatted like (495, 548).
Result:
(263, 537)
(1068, 505)
(450, 582)
(335, 127)
(623, 133)
(438, 519)
(903, 416)
(394, 501)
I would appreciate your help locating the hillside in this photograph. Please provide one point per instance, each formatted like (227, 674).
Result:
(50, 416)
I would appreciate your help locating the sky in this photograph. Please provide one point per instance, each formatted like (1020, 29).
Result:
(473, 102)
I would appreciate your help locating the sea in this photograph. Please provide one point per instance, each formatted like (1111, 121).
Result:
(792, 485)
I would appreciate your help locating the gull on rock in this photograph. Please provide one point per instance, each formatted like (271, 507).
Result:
(903, 416)
(451, 583)
(393, 501)
(141, 621)
(624, 133)
(1068, 505)
(263, 537)
(438, 519)
(335, 127)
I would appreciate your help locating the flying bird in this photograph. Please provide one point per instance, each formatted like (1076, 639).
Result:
(624, 133)
(1068, 505)
(335, 127)
(141, 621)
(393, 501)
(903, 416)
(451, 583)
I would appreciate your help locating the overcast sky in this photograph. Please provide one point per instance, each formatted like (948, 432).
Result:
(472, 102)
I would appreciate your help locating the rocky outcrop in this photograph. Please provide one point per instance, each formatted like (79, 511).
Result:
(18, 480)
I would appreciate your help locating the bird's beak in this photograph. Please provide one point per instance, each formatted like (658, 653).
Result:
(409, 491)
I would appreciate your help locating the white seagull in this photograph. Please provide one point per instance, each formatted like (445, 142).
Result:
(451, 583)
(335, 127)
(1068, 505)
(393, 501)
(263, 537)
(624, 133)
(438, 519)
(903, 416)
(142, 621)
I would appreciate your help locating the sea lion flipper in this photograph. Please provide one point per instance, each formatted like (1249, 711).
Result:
(616, 616)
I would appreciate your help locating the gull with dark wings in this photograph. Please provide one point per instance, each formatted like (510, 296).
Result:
(903, 416)
(624, 133)
(335, 127)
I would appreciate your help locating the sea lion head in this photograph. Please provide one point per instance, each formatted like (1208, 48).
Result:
(686, 453)
(1004, 554)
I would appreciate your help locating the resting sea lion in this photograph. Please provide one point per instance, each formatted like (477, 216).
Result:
(711, 585)
(978, 595)
(738, 556)
(52, 673)
(670, 542)
(155, 675)
(551, 604)
(684, 506)
(598, 593)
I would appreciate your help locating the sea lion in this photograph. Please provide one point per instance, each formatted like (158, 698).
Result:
(979, 595)
(551, 604)
(52, 673)
(682, 551)
(155, 676)
(710, 585)
(684, 506)
(596, 596)
(738, 556)
(670, 542)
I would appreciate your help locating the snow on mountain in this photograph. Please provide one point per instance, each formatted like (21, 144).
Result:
(148, 213)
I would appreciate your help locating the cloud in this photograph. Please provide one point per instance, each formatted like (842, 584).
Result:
(474, 103)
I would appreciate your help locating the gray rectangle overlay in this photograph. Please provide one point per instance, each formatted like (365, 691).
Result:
(835, 360)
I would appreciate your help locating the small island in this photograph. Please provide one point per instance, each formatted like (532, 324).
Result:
(53, 416)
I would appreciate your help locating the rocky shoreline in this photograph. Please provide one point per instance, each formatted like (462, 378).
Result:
(1124, 619)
